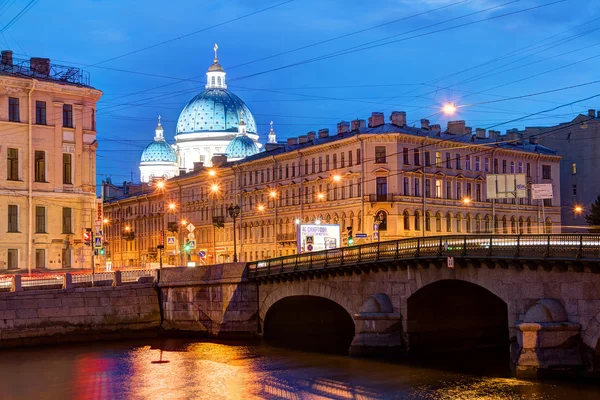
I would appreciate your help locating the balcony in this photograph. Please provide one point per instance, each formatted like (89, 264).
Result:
(381, 198)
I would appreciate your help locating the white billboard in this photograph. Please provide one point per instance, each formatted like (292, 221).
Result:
(506, 186)
(540, 191)
(313, 237)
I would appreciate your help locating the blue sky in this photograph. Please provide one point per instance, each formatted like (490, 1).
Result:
(406, 72)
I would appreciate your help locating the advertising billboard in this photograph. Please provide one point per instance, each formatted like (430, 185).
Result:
(540, 191)
(506, 186)
(313, 237)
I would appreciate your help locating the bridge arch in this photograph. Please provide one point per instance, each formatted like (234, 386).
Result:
(311, 317)
(453, 314)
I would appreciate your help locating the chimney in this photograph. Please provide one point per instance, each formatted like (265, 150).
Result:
(323, 133)
(398, 118)
(512, 134)
(40, 66)
(456, 127)
(376, 119)
(302, 139)
(425, 124)
(598, 114)
(358, 123)
(591, 113)
(435, 128)
(182, 171)
(292, 141)
(198, 165)
(468, 129)
(219, 160)
(533, 140)
(480, 133)
(312, 135)
(7, 57)
(343, 127)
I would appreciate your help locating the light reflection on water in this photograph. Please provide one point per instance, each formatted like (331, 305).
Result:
(177, 369)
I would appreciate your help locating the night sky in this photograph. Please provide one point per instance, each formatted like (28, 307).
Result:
(355, 57)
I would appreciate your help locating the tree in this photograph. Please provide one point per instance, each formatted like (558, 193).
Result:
(593, 218)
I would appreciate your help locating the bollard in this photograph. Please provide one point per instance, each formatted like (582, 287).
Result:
(16, 284)
(117, 281)
(68, 281)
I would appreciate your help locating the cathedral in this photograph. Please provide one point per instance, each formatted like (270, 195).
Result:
(214, 122)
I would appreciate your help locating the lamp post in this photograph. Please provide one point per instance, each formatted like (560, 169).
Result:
(273, 195)
(234, 212)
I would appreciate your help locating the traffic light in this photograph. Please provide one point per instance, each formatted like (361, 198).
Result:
(350, 238)
(187, 246)
(87, 236)
(101, 251)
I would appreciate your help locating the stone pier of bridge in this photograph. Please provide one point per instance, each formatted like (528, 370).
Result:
(546, 319)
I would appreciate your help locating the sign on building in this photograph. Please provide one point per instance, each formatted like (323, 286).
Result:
(450, 261)
(170, 242)
(506, 186)
(313, 237)
(540, 191)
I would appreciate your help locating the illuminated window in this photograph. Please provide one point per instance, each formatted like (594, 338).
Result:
(573, 168)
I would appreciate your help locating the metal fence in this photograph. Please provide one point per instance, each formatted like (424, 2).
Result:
(532, 247)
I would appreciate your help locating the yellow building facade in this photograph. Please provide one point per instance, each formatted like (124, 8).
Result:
(382, 180)
(47, 164)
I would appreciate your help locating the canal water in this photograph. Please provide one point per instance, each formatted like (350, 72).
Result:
(183, 369)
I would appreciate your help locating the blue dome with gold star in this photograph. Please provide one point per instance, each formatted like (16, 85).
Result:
(159, 151)
(215, 110)
(241, 147)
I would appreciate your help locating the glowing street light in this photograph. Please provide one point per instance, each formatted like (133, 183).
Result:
(449, 109)
(212, 172)
(160, 185)
(172, 206)
(127, 228)
(272, 194)
(466, 201)
(214, 188)
(105, 220)
(261, 208)
(318, 222)
(336, 178)
(297, 221)
(321, 196)
(578, 209)
(183, 222)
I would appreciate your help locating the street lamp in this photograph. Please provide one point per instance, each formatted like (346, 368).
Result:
(336, 178)
(214, 189)
(273, 195)
(321, 196)
(172, 206)
(234, 212)
(466, 201)
(183, 222)
(449, 109)
(105, 220)
(578, 209)
(260, 208)
(212, 172)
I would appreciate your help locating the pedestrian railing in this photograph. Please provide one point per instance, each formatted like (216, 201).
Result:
(527, 247)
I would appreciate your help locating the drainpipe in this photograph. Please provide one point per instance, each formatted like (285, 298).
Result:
(30, 161)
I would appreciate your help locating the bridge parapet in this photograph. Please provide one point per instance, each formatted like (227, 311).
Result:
(561, 250)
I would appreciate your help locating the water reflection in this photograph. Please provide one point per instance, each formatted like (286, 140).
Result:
(177, 369)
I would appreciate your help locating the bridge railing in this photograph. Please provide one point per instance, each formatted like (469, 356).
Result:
(535, 247)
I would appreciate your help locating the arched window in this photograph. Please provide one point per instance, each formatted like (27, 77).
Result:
(513, 225)
(548, 225)
(212, 80)
(417, 221)
(459, 222)
(469, 223)
(381, 219)
(496, 224)
(478, 223)
(504, 225)
(219, 81)
(448, 222)
(438, 222)
(428, 221)
(529, 225)
(521, 225)
(488, 222)
(406, 220)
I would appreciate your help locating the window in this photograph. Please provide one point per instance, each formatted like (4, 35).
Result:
(438, 222)
(427, 158)
(512, 167)
(334, 161)
(448, 222)
(478, 191)
(405, 156)
(486, 165)
(294, 169)
(427, 188)
(67, 218)
(381, 188)
(313, 166)
(381, 219)
(12, 161)
(40, 219)
(417, 191)
(438, 188)
(320, 164)
(93, 119)
(357, 156)
(13, 259)
(40, 166)
(469, 190)
(342, 160)
(67, 169)
(448, 161)
(438, 159)
(468, 162)
(458, 190)
(546, 172)
(574, 190)
(548, 202)
(380, 157)
(574, 168)
(520, 167)
(13, 109)
(406, 217)
(503, 166)
(305, 167)
(459, 223)
(458, 166)
(468, 223)
(477, 163)
(495, 166)
(417, 157)
(448, 189)
(40, 112)
(428, 221)
(287, 170)
(406, 187)
(528, 170)
(417, 221)
(326, 163)
(13, 218)
(349, 158)
(67, 115)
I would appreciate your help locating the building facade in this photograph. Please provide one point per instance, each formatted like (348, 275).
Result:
(409, 181)
(47, 164)
(578, 142)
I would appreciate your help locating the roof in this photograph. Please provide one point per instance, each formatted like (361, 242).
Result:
(42, 69)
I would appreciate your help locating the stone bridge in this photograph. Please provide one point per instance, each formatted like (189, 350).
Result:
(535, 297)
